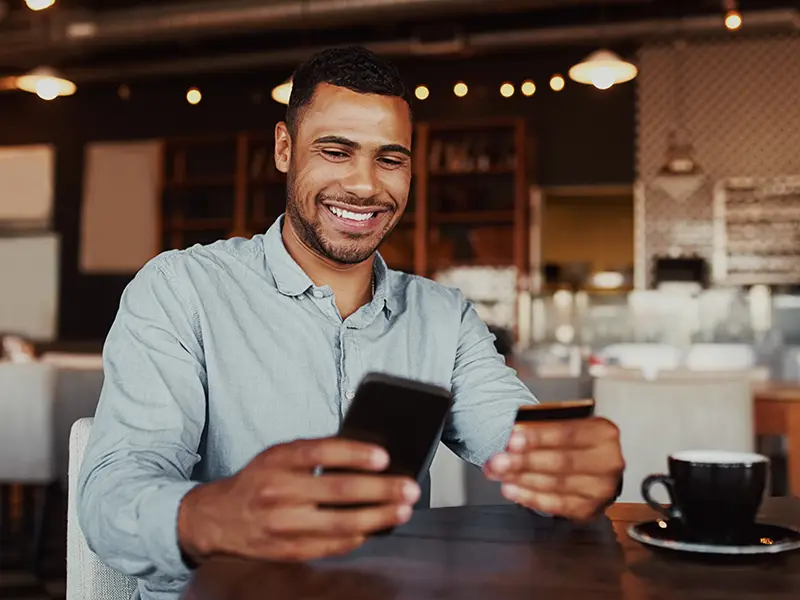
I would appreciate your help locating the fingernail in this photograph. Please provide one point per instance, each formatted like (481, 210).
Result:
(510, 491)
(379, 459)
(516, 441)
(404, 513)
(501, 463)
(411, 492)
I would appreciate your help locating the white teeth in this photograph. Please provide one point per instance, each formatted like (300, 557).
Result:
(353, 216)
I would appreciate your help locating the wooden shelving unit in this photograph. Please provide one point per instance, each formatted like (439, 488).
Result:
(471, 187)
(468, 203)
(217, 187)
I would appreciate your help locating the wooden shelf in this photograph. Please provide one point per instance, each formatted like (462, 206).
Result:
(492, 171)
(472, 262)
(201, 224)
(267, 180)
(195, 182)
(475, 217)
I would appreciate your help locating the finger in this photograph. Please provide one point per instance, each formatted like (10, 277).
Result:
(340, 489)
(572, 507)
(577, 433)
(586, 486)
(308, 548)
(329, 452)
(351, 522)
(601, 460)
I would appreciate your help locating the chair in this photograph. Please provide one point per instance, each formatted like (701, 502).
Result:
(87, 577)
(27, 398)
(720, 357)
(659, 417)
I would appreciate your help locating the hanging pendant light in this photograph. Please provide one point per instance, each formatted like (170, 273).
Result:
(602, 69)
(45, 83)
(281, 93)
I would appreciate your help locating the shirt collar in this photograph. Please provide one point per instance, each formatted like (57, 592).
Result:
(291, 280)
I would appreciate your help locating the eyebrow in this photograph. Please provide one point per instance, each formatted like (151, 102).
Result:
(348, 143)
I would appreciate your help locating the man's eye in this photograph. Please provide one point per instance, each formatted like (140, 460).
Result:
(390, 162)
(337, 154)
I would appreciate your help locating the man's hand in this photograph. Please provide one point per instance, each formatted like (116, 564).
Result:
(569, 469)
(271, 508)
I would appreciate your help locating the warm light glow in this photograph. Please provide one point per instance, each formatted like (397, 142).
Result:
(603, 69)
(281, 93)
(528, 88)
(422, 92)
(39, 4)
(733, 20)
(46, 84)
(193, 96)
(506, 90)
(557, 83)
(607, 280)
(460, 89)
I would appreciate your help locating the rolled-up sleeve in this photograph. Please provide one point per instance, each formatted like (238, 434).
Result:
(147, 429)
(486, 393)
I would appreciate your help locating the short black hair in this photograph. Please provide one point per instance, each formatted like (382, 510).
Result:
(351, 67)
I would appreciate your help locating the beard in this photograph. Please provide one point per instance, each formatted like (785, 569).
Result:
(355, 249)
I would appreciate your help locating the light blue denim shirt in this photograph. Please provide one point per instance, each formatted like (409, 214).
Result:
(219, 352)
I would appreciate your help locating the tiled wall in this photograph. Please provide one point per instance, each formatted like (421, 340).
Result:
(740, 101)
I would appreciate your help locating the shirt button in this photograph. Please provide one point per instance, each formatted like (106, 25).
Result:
(349, 394)
(318, 294)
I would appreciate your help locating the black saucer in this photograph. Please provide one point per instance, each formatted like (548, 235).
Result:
(762, 541)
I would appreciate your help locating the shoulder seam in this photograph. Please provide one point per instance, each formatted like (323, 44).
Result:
(195, 314)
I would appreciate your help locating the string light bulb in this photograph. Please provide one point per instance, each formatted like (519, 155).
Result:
(733, 20)
(193, 96)
(557, 83)
(422, 92)
(528, 88)
(507, 90)
(460, 89)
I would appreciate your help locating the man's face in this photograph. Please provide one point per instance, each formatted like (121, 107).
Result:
(348, 171)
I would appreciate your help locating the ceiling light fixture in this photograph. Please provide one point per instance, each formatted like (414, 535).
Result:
(603, 69)
(39, 4)
(45, 83)
(282, 92)
(422, 92)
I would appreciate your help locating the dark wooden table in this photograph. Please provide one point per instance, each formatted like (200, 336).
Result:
(506, 552)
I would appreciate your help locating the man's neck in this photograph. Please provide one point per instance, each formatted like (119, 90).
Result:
(351, 284)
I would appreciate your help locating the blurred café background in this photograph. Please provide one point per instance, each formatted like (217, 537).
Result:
(615, 185)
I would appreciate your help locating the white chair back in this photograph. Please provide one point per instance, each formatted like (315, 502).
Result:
(87, 577)
(659, 417)
(647, 357)
(27, 403)
(720, 357)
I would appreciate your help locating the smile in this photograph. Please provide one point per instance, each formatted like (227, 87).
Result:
(350, 215)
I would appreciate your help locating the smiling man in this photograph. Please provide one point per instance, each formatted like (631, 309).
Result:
(229, 367)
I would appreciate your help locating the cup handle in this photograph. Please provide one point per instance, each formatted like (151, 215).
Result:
(671, 511)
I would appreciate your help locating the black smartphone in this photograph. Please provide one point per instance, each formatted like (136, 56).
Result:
(404, 416)
(555, 411)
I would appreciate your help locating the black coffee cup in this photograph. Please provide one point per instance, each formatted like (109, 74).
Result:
(715, 494)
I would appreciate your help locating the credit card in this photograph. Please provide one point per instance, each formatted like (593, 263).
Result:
(555, 411)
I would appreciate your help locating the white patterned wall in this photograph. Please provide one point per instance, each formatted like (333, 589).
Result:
(741, 101)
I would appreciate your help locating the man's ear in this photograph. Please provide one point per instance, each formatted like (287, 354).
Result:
(283, 147)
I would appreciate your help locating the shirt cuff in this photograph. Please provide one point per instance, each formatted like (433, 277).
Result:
(160, 529)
